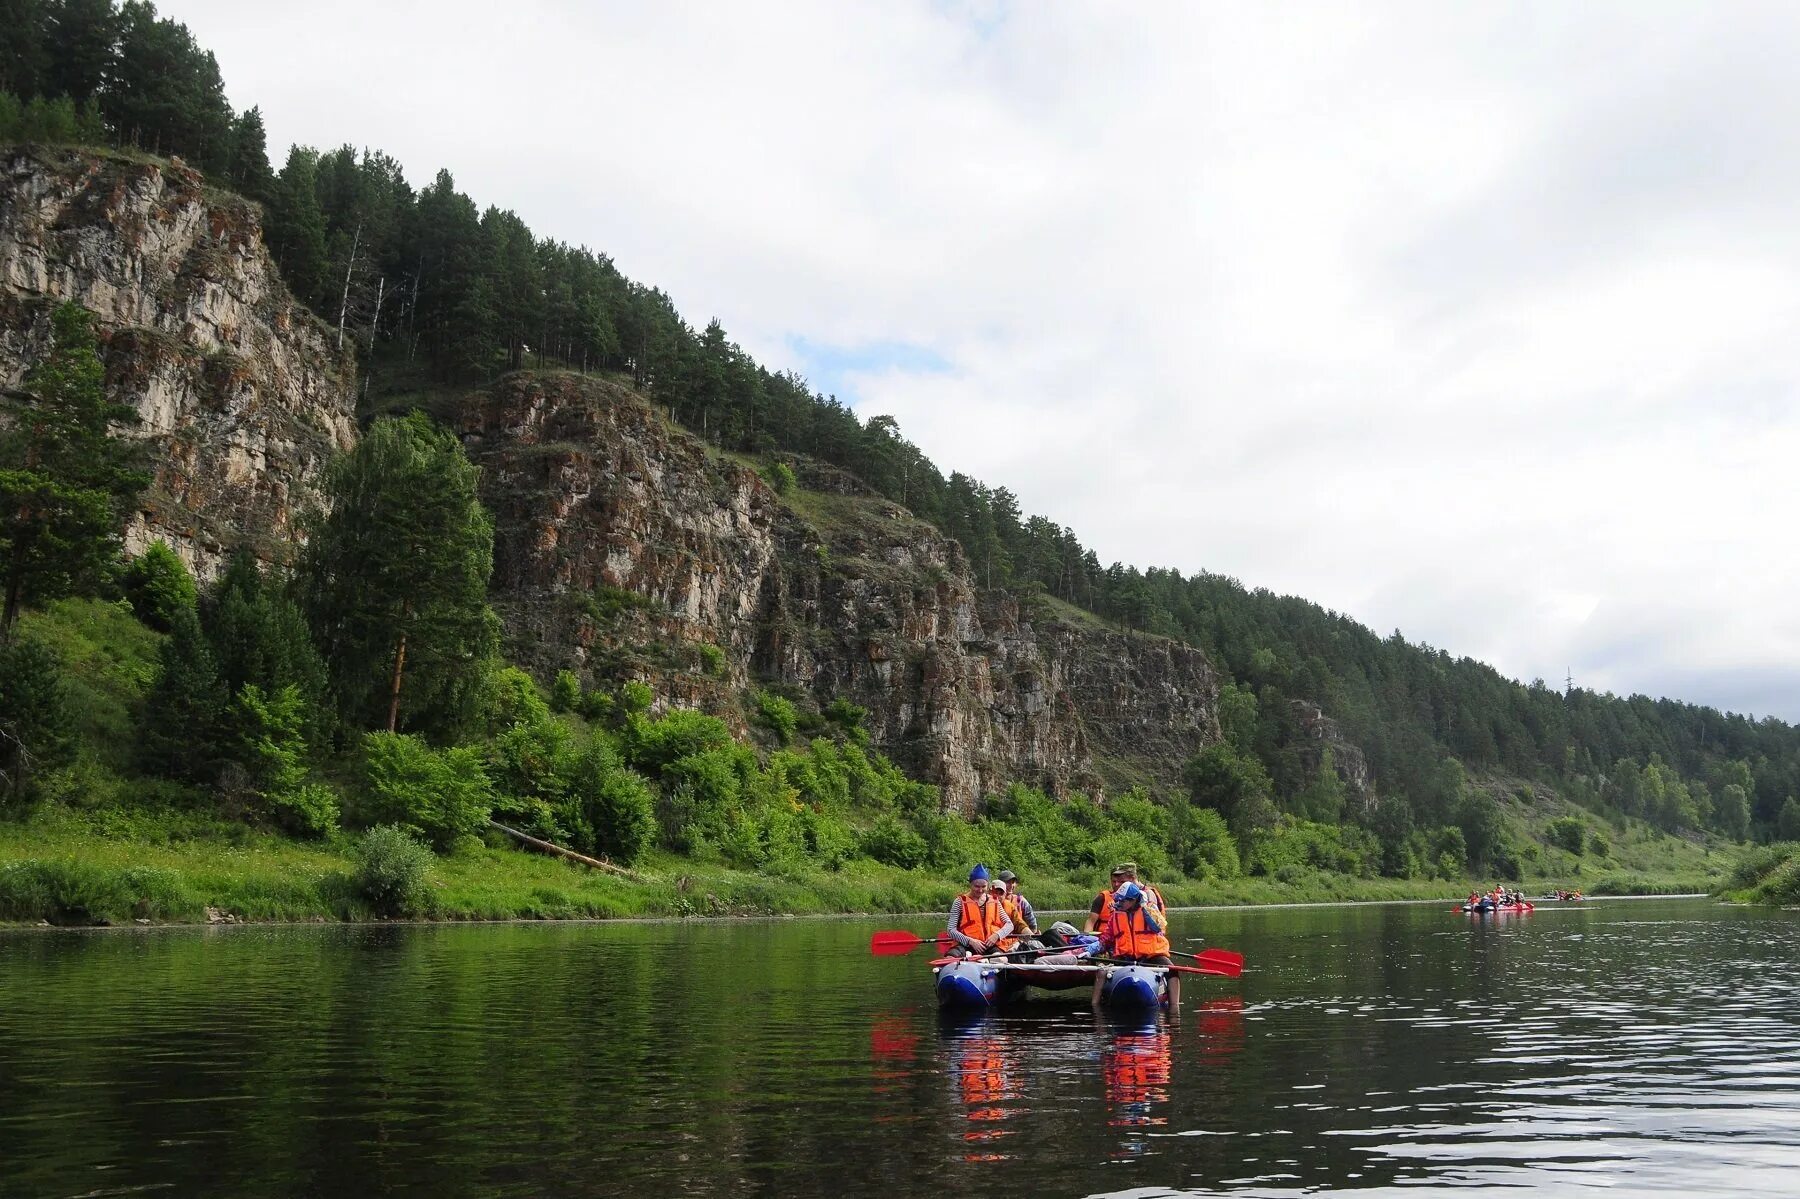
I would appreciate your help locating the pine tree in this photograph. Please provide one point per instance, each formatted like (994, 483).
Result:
(259, 637)
(33, 727)
(66, 483)
(248, 169)
(395, 580)
(182, 733)
(296, 229)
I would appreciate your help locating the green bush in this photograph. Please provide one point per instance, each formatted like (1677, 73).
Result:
(656, 744)
(74, 892)
(158, 585)
(565, 692)
(712, 659)
(393, 871)
(780, 478)
(1567, 832)
(612, 807)
(774, 712)
(441, 794)
(1129, 846)
(274, 754)
(891, 842)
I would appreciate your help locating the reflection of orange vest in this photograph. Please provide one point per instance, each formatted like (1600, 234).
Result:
(981, 920)
(1131, 937)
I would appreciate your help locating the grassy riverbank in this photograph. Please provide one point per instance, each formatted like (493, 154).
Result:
(1768, 874)
(65, 867)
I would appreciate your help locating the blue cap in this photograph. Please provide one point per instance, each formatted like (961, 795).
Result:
(1128, 891)
(980, 872)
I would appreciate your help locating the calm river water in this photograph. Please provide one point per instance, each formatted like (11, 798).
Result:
(1630, 1046)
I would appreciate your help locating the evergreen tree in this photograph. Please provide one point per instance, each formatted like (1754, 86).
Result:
(296, 229)
(33, 722)
(248, 166)
(66, 483)
(164, 92)
(395, 577)
(80, 48)
(259, 637)
(24, 63)
(182, 732)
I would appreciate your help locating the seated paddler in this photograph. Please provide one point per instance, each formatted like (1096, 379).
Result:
(1018, 910)
(1135, 933)
(978, 923)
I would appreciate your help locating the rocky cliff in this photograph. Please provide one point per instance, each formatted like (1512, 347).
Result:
(628, 548)
(238, 387)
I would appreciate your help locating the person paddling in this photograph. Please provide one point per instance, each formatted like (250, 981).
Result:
(1135, 933)
(978, 923)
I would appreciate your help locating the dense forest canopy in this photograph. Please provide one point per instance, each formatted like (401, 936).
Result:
(426, 277)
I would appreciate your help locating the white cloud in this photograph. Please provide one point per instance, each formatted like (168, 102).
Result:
(1468, 321)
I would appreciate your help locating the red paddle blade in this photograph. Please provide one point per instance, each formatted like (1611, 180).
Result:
(889, 942)
(1222, 973)
(1222, 961)
(894, 941)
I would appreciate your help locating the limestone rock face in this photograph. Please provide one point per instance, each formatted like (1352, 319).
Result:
(238, 388)
(625, 548)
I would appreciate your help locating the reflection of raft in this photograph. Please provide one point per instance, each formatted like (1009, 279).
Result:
(966, 985)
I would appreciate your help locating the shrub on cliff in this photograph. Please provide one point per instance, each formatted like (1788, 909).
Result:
(777, 714)
(158, 585)
(655, 744)
(565, 692)
(442, 794)
(393, 871)
(616, 808)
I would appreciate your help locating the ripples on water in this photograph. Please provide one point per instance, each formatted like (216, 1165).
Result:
(1634, 1047)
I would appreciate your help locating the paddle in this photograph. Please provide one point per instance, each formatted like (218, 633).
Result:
(890, 942)
(1223, 960)
(1204, 968)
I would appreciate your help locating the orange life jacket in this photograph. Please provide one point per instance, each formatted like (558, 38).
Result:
(979, 920)
(1014, 913)
(1130, 935)
(1105, 911)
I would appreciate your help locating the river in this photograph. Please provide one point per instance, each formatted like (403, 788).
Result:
(1630, 1046)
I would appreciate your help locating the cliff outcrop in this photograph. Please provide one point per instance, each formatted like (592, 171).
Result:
(626, 548)
(238, 387)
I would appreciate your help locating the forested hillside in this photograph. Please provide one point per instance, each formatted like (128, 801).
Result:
(424, 282)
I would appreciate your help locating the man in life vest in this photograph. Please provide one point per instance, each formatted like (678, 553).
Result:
(1135, 933)
(1018, 908)
(1152, 897)
(1101, 908)
(978, 924)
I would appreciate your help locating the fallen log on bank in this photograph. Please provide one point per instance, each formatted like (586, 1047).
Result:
(555, 850)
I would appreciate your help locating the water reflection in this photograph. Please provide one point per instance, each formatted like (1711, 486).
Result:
(986, 1073)
(1369, 1050)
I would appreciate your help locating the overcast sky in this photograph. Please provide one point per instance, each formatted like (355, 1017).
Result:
(1477, 322)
